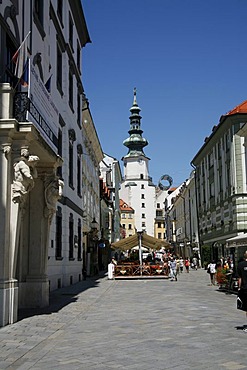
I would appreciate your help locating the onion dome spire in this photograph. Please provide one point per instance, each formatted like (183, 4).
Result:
(135, 142)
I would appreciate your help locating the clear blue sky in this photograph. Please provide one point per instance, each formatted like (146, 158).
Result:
(188, 61)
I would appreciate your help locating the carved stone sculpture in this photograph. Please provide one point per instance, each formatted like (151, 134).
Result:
(53, 192)
(24, 174)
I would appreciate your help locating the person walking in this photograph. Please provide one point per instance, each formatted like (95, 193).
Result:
(187, 265)
(212, 272)
(242, 286)
(195, 262)
(173, 269)
(181, 264)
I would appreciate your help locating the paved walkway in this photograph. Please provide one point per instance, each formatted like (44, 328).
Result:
(106, 324)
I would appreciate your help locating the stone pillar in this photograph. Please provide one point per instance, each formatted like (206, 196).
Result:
(6, 101)
(8, 285)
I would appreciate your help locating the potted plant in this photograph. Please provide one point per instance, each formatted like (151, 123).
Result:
(221, 277)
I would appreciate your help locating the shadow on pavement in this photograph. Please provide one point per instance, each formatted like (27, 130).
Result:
(62, 297)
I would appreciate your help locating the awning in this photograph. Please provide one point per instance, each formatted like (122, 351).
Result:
(133, 241)
(239, 240)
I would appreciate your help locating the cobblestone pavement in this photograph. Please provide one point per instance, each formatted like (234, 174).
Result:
(102, 324)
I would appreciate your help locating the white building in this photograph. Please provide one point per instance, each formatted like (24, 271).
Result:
(111, 174)
(42, 151)
(137, 189)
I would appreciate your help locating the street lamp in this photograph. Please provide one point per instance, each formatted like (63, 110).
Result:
(94, 225)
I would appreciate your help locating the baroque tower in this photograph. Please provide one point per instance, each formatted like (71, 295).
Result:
(137, 188)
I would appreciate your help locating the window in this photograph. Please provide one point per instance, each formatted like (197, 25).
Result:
(130, 215)
(78, 56)
(71, 31)
(38, 16)
(143, 196)
(71, 237)
(79, 231)
(158, 205)
(123, 226)
(58, 251)
(60, 10)
(228, 141)
(212, 190)
(59, 150)
(211, 159)
(79, 169)
(141, 176)
(159, 235)
(143, 215)
(79, 110)
(71, 157)
(71, 89)
(219, 150)
(59, 70)
(142, 186)
(130, 226)
(38, 9)
(143, 224)
(159, 213)
(123, 215)
(159, 225)
(143, 205)
(10, 66)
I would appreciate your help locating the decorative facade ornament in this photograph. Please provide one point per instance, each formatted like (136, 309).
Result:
(72, 135)
(53, 192)
(6, 149)
(24, 174)
(79, 149)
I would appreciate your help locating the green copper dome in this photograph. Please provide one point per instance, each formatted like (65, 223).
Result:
(135, 142)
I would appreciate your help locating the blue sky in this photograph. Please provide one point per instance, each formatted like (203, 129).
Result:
(188, 61)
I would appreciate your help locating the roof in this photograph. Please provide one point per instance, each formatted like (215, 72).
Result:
(133, 241)
(241, 108)
(124, 207)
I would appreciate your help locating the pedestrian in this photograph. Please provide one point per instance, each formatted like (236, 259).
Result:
(111, 270)
(242, 286)
(173, 268)
(187, 265)
(84, 272)
(195, 262)
(181, 264)
(212, 272)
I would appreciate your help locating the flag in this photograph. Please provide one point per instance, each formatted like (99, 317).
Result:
(21, 60)
(48, 84)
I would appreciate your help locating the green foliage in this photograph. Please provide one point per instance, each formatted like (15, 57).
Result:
(206, 255)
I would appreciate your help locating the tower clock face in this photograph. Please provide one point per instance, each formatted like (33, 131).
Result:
(141, 161)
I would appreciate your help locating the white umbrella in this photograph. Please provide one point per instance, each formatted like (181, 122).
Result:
(144, 249)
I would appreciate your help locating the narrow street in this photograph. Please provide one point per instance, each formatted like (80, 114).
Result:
(103, 324)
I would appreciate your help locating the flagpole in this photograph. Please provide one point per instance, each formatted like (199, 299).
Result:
(21, 44)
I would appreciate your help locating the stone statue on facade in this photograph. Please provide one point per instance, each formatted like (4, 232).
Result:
(53, 192)
(24, 174)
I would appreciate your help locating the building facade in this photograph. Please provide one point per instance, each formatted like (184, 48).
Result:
(220, 177)
(42, 155)
(127, 220)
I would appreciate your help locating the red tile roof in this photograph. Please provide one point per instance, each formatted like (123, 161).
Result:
(241, 108)
(124, 206)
